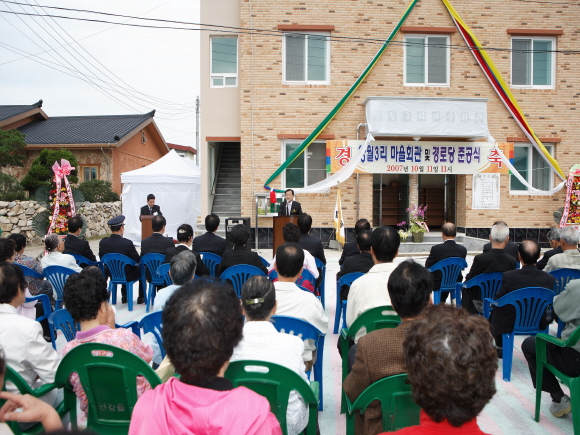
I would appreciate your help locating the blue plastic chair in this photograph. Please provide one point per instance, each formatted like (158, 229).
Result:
(152, 323)
(151, 262)
(239, 274)
(211, 260)
(307, 276)
(489, 283)
(163, 270)
(30, 272)
(304, 330)
(84, 260)
(347, 280)
(321, 288)
(62, 320)
(45, 301)
(57, 275)
(132, 325)
(530, 304)
(265, 262)
(116, 264)
(563, 277)
(450, 269)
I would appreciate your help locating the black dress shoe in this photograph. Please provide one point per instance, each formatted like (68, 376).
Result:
(140, 300)
(124, 300)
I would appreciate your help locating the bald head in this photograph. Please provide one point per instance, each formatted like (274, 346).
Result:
(448, 231)
(529, 252)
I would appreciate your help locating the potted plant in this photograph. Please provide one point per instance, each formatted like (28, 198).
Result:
(417, 221)
(403, 233)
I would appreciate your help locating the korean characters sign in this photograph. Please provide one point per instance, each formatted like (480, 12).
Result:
(418, 157)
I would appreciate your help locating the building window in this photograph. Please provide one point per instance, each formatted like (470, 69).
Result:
(533, 62)
(308, 168)
(427, 60)
(224, 62)
(306, 58)
(90, 173)
(533, 167)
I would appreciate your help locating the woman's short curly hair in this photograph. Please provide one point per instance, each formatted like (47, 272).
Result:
(11, 281)
(84, 293)
(451, 361)
(202, 323)
(7, 249)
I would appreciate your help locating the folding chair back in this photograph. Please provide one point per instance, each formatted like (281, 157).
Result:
(80, 259)
(116, 264)
(150, 263)
(211, 260)
(57, 275)
(450, 269)
(239, 274)
(563, 277)
(63, 321)
(340, 311)
(152, 323)
(489, 283)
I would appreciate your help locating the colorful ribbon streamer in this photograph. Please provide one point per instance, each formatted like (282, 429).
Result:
(60, 173)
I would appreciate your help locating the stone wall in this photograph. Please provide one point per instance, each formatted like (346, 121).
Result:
(16, 217)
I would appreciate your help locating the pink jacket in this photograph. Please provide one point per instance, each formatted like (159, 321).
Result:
(175, 408)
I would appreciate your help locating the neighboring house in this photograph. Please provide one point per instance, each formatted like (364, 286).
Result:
(183, 150)
(105, 146)
(264, 91)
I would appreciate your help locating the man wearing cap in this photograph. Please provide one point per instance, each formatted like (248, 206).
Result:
(117, 244)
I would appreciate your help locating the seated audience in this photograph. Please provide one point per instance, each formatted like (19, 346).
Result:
(240, 254)
(566, 359)
(25, 409)
(291, 234)
(202, 323)
(73, 244)
(370, 290)
(454, 348)
(379, 354)
(442, 251)
(295, 302)
(28, 309)
(86, 298)
(181, 270)
(54, 244)
(25, 349)
(351, 248)
(210, 241)
(184, 238)
(511, 248)
(361, 263)
(554, 239)
(502, 318)
(263, 342)
(496, 260)
(310, 243)
(570, 257)
(157, 243)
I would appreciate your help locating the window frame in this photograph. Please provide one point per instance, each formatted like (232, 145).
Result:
(425, 54)
(224, 76)
(305, 168)
(83, 167)
(326, 81)
(552, 66)
(531, 149)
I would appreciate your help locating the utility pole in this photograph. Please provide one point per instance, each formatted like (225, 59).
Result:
(197, 130)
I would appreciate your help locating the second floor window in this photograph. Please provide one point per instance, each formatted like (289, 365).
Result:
(533, 62)
(224, 62)
(427, 60)
(306, 58)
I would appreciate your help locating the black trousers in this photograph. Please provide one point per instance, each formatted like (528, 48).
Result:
(565, 359)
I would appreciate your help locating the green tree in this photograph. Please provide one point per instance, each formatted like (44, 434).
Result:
(12, 148)
(98, 191)
(10, 188)
(40, 173)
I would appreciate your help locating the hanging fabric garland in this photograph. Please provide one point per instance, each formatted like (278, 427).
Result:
(61, 199)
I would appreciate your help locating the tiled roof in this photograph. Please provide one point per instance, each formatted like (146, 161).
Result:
(7, 112)
(82, 129)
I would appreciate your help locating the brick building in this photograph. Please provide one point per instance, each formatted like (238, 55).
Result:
(263, 92)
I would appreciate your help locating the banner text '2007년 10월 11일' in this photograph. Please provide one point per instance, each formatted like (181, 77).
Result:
(413, 157)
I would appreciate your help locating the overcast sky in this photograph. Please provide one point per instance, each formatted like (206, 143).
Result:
(159, 64)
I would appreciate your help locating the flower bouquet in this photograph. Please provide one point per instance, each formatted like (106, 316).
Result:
(403, 233)
(417, 222)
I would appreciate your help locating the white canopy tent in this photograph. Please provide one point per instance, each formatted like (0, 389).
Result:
(176, 183)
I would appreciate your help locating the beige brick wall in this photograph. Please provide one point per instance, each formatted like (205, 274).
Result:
(269, 107)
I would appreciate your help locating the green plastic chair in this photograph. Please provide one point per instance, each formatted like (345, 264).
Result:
(373, 319)
(275, 383)
(23, 388)
(110, 383)
(397, 406)
(572, 382)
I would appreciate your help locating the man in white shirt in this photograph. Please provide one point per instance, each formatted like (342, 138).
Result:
(295, 302)
(370, 290)
(570, 257)
(291, 234)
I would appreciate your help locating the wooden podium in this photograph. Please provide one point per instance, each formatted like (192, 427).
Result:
(146, 226)
(279, 222)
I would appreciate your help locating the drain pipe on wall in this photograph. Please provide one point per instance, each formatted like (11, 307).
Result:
(357, 179)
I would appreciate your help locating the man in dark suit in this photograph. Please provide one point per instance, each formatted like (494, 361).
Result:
(240, 254)
(72, 243)
(184, 238)
(289, 207)
(351, 248)
(554, 239)
(210, 242)
(449, 248)
(117, 244)
(502, 319)
(156, 243)
(150, 208)
(361, 263)
(310, 243)
(379, 354)
(496, 260)
(511, 247)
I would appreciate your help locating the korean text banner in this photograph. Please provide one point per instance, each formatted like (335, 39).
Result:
(418, 157)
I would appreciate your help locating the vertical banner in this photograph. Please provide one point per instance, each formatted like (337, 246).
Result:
(338, 222)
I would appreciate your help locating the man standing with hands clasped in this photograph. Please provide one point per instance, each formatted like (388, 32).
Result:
(289, 207)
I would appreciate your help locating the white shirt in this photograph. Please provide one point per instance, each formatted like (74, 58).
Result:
(263, 342)
(309, 264)
(294, 302)
(163, 296)
(59, 259)
(25, 349)
(369, 291)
